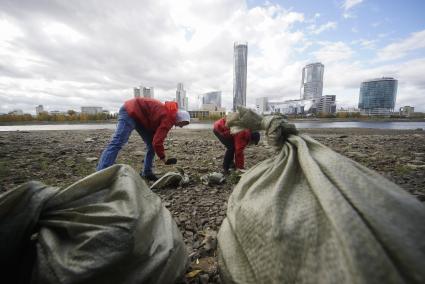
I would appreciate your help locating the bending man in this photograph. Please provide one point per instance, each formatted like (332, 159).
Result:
(152, 120)
(235, 144)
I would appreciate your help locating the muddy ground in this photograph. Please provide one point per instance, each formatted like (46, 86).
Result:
(60, 158)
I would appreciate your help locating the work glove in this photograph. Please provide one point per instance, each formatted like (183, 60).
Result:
(171, 161)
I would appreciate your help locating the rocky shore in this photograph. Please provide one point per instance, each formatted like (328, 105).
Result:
(59, 158)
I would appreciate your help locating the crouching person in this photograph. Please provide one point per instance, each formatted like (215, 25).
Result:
(152, 120)
(235, 144)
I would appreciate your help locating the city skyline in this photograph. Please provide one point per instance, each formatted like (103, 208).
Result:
(64, 55)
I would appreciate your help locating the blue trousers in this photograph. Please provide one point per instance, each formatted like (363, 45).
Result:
(125, 126)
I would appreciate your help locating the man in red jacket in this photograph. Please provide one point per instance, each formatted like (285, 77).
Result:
(234, 143)
(152, 120)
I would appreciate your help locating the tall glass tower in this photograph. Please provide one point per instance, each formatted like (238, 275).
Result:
(213, 98)
(181, 98)
(378, 96)
(312, 81)
(239, 75)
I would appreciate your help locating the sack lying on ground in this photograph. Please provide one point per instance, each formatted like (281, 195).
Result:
(171, 179)
(107, 228)
(310, 215)
(213, 178)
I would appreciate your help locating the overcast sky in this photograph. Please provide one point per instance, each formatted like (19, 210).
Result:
(68, 54)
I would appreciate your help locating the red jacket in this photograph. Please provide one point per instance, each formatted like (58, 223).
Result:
(154, 116)
(241, 140)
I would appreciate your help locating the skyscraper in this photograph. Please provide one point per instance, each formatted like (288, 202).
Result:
(327, 104)
(212, 98)
(146, 92)
(262, 105)
(143, 91)
(39, 109)
(181, 97)
(378, 96)
(312, 81)
(240, 56)
(136, 92)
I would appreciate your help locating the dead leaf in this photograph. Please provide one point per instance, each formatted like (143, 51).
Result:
(193, 273)
(206, 264)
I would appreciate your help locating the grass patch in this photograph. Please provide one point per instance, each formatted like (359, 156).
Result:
(4, 169)
(402, 169)
(233, 178)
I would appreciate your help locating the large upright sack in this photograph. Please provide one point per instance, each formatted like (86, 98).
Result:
(107, 228)
(310, 215)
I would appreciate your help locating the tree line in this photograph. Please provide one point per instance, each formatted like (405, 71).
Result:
(69, 116)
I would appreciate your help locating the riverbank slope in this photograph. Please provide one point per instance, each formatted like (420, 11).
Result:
(59, 158)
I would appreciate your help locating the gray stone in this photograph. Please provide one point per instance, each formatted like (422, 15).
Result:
(415, 167)
(139, 153)
(204, 278)
(357, 154)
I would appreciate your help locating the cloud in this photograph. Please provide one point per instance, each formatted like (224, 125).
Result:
(328, 26)
(349, 4)
(66, 55)
(401, 48)
(366, 43)
(333, 52)
(349, 16)
(343, 79)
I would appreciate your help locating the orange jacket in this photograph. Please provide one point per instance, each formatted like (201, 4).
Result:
(240, 139)
(154, 116)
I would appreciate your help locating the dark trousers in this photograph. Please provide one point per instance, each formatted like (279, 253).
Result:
(230, 150)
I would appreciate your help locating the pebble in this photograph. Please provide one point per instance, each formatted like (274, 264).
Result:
(139, 153)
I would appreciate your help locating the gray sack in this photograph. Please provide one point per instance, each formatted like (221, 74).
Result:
(106, 228)
(310, 215)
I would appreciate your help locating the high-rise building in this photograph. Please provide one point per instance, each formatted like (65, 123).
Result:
(262, 105)
(327, 104)
(212, 98)
(136, 92)
(147, 92)
(240, 56)
(181, 98)
(378, 96)
(39, 109)
(186, 103)
(312, 81)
